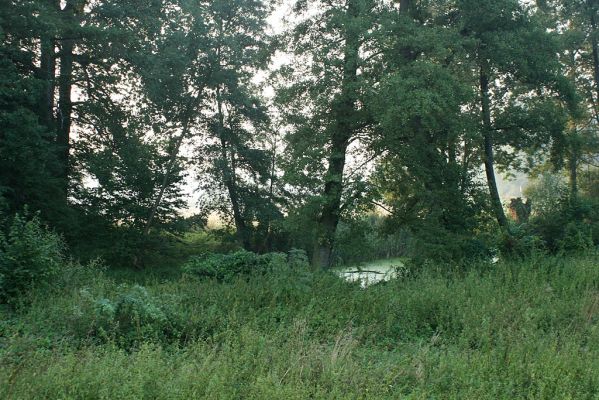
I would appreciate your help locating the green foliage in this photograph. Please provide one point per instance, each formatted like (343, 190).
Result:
(131, 317)
(562, 223)
(523, 241)
(297, 259)
(226, 267)
(522, 329)
(30, 256)
(367, 238)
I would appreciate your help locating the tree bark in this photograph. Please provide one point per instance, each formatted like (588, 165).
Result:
(488, 149)
(405, 7)
(65, 85)
(47, 74)
(342, 127)
(65, 109)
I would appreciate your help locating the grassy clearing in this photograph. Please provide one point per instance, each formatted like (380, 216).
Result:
(515, 330)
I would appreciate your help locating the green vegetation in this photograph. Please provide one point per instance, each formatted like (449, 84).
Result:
(486, 331)
(184, 185)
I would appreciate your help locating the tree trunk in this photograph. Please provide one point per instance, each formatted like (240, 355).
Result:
(405, 7)
(573, 171)
(488, 150)
(330, 213)
(229, 179)
(595, 49)
(47, 75)
(65, 84)
(267, 244)
(65, 109)
(344, 115)
(166, 177)
(465, 166)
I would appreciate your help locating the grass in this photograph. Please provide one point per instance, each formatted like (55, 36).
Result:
(518, 330)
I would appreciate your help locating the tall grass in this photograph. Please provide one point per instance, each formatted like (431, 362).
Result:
(515, 330)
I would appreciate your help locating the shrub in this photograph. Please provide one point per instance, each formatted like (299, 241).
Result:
(29, 255)
(129, 316)
(576, 237)
(225, 267)
(298, 259)
(521, 243)
(570, 228)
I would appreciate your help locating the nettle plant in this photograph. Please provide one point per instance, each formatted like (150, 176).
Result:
(30, 255)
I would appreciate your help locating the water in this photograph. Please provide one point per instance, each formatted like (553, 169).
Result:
(372, 272)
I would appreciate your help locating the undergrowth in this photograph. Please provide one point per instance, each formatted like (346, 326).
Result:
(526, 329)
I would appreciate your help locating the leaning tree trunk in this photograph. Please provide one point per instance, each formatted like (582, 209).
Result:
(488, 150)
(341, 132)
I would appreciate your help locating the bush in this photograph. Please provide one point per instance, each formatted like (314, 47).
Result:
(570, 228)
(522, 242)
(298, 259)
(225, 267)
(29, 256)
(132, 316)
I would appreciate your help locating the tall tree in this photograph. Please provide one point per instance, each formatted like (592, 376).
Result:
(237, 162)
(27, 142)
(515, 67)
(324, 96)
(420, 102)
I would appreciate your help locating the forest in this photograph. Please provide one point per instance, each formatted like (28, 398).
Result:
(299, 199)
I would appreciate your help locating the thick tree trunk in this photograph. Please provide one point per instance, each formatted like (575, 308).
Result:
(65, 109)
(330, 213)
(344, 115)
(406, 6)
(65, 84)
(47, 75)
(488, 150)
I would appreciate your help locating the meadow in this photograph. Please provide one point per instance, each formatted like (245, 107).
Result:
(510, 330)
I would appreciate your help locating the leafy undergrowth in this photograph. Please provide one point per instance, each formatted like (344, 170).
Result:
(506, 331)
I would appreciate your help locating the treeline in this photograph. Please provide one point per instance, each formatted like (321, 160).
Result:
(408, 108)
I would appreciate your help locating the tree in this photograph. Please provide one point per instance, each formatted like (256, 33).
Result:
(420, 102)
(517, 75)
(322, 102)
(234, 160)
(27, 146)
